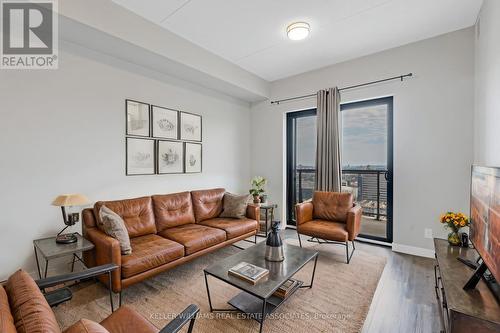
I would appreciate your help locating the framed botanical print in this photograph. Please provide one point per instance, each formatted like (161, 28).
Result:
(165, 123)
(137, 118)
(140, 155)
(170, 157)
(193, 157)
(190, 126)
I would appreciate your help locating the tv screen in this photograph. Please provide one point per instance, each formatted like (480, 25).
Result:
(485, 216)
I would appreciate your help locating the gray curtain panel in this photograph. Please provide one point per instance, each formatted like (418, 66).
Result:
(328, 158)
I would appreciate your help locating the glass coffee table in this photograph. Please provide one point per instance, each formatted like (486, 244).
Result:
(258, 301)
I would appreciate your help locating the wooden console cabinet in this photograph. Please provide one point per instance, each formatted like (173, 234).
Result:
(475, 311)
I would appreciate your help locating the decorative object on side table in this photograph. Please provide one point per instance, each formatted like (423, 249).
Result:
(258, 183)
(274, 244)
(69, 200)
(454, 221)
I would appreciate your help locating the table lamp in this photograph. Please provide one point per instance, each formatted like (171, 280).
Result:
(69, 200)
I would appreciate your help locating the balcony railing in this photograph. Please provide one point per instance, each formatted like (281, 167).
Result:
(369, 188)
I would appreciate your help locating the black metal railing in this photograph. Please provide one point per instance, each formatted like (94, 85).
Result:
(369, 188)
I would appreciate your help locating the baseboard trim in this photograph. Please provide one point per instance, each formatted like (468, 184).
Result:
(413, 250)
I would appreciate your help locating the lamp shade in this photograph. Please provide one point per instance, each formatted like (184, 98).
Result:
(67, 200)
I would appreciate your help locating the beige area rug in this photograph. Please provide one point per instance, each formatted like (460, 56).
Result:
(338, 302)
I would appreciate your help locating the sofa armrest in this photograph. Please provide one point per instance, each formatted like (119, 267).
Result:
(303, 212)
(188, 315)
(106, 251)
(253, 212)
(354, 221)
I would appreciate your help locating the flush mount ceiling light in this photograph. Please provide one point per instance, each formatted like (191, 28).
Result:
(298, 30)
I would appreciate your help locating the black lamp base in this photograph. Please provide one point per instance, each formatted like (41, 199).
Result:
(66, 239)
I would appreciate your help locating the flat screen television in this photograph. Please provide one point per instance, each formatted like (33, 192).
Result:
(485, 217)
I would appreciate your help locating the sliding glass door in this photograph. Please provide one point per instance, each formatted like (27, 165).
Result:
(301, 158)
(366, 156)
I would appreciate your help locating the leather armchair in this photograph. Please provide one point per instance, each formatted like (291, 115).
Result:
(329, 218)
(29, 310)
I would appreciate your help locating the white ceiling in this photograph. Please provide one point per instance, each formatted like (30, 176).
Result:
(252, 34)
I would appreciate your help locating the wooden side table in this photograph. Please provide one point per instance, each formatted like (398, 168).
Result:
(49, 249)
(268, 210)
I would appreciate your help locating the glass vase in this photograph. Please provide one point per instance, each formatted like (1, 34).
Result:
(454, 238)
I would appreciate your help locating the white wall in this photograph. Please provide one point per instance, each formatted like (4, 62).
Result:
(487, 115)
(433, 114)
(63, 131)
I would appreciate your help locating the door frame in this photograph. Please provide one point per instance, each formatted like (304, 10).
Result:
(389, 101)
(290, 157)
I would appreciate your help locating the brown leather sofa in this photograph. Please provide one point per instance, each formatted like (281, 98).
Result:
(24, 309)
(165, 231)
(329, 218)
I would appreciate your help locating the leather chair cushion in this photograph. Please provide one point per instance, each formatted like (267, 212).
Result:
(148, 252)
(207, 204)
(6, 320)
(194, 237)
(232, 227)
(172, 210)
(331, 206)
(86, 326)
(31, 312)
(137, 214)
(322, 229)
(127, 320)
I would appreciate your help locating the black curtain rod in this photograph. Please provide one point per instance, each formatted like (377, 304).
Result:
(400, 77)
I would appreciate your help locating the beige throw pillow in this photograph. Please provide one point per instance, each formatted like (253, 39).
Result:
(234, 206)
(113, 225)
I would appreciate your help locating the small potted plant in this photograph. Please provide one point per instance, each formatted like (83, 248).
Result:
(454, 221)
(257, 189)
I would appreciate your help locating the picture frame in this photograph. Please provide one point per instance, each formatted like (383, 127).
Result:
(193, 157)
(137, 117)
(164, 122)
(190, 126)
(169, 157)
(140, 156)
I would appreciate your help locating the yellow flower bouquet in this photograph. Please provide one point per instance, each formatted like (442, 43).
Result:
(454, 221)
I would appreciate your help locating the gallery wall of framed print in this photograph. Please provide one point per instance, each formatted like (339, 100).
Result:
(190, 126)
(193, 157)
(165, 122)
(138, 118)
(140, 156)
(170, 157)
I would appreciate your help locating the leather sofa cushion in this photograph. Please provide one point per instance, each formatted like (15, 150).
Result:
(6, 320)
(232, 227)
(31, 312)
(332, 206)
(148, 252)
(126, 320)
(207, 204)
(194, 237)
(322, 229)
(137, 214)
(172, 210)
(86, 326)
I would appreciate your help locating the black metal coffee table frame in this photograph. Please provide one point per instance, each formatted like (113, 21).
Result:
(246, 300)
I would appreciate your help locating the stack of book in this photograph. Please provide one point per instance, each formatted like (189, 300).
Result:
(248, 272)
(286, 288)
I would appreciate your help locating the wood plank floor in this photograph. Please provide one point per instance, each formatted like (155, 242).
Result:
(404, 300)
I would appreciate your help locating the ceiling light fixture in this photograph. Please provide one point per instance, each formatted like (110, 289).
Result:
(298, 30)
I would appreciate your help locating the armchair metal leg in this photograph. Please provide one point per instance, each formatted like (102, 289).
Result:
(120, 299)
(348, 257)
(298, 235)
